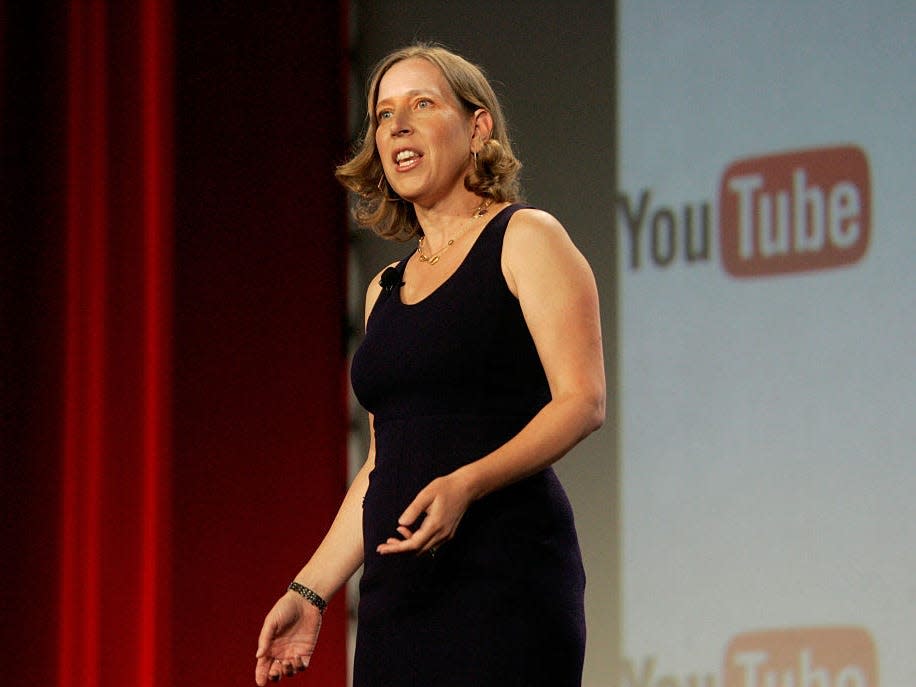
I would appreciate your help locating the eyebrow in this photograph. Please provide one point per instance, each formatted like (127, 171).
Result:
(409, 94)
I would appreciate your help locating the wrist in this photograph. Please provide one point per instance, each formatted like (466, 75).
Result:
(309, 595)
(470, 481)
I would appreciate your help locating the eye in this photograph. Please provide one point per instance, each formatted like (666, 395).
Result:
(424, 103)
(383, 115)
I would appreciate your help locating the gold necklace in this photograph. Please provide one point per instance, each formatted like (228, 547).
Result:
(433, 258)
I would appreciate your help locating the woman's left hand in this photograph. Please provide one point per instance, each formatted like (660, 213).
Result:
(443, 502)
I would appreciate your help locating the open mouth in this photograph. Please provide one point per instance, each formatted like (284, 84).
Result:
(405, 159)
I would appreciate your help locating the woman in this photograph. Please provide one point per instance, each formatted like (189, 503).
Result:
(481, 366)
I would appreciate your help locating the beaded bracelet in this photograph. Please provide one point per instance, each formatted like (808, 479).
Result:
(309, 596)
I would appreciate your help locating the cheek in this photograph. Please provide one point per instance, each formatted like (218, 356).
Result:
(381, 150)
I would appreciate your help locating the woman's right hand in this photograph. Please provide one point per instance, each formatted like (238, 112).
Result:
(287, 639)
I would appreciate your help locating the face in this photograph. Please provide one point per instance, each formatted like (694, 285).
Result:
(424, 137)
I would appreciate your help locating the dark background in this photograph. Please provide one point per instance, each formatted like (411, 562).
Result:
(203, 507)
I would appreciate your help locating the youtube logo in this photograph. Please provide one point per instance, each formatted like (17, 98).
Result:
(794, 212)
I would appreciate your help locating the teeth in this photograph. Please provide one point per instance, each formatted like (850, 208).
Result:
(406, 155)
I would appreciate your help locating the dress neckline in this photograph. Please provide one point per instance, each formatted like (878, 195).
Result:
(459, 268)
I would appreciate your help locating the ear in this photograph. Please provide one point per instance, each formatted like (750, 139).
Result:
(483, 128)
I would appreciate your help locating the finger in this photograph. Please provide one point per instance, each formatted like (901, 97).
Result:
(428, 529)
(260, 671)
(416, 508)
(406, 535)
(393, 546)
(275, 670)
(416, 542)
(266, 674)
(431, 547)
(268, 629)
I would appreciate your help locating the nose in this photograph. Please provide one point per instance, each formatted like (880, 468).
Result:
(399, 124)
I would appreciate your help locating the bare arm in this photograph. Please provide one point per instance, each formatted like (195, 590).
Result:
(559, 299)
(341, 552)
(290, 630)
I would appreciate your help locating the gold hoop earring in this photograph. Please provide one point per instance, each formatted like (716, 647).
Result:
(385, 191)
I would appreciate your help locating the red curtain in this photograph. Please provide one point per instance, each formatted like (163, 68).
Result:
(173, 393)
(114, 569)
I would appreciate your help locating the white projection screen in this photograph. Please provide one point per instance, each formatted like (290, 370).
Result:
(767, 343)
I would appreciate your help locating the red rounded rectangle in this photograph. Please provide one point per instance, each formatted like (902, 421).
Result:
(796, 211)
(802, 657)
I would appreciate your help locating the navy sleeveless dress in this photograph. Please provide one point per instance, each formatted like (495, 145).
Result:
(449, 379)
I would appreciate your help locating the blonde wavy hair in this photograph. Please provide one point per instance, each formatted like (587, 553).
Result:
(496, 172)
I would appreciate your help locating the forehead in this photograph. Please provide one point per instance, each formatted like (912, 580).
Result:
(412, 75)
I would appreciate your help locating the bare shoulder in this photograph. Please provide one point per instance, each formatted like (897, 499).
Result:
(531, 224)
(374, 290)
(538, 246)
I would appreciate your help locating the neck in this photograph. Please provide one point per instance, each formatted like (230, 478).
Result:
(442, 221)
